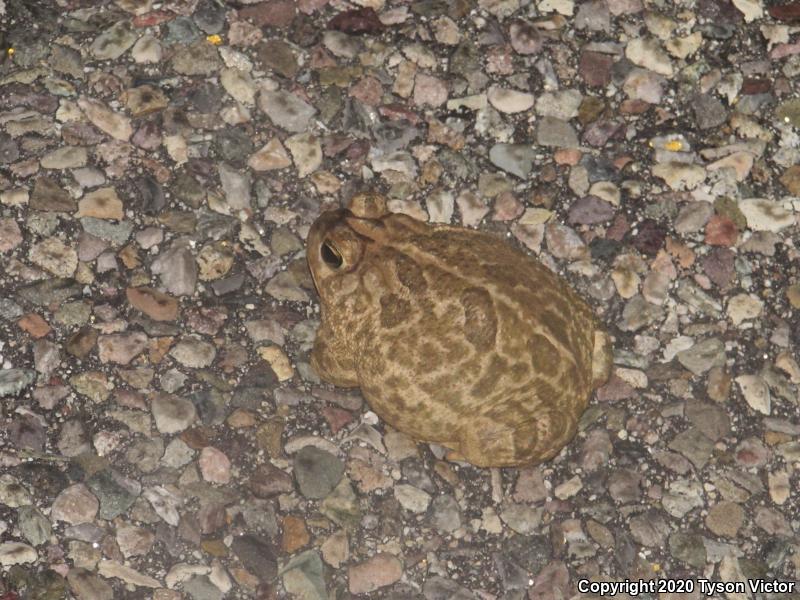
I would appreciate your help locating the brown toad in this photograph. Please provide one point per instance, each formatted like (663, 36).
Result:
(453, 335)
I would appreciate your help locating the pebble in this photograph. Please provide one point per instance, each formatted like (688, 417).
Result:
(516, 159)
(113, 123)
(429, 90)
(765, 215)
(509, 101)
(121, 348)
(286, 110)
(522, 518)
(68, 157)
(49, 196)
(197, 58)
(303, 576)
(647, 53)
(411, 498)
(703, 355)
(589, 210)
(317, 472)
(755, 392)
(306, 152)
(215, 467)
(379, 571)
(156, 305)
(445, 514)
(562, 104)
(709, 112)
(171, 413)
(75, 505)
(103, 203)
(240, 85)
(113, 42)
(147, 49)
(556, 132)
(177, 269)
(679, 175)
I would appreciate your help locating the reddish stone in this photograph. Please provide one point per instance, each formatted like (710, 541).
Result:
(359, 20)
(622, 161)
(634, 107)
(718, 266)
(785, 12)
(369, 90)
(34, 325)
(321, 58)
(751, 86)
(153, 18)
(398, 112)
(599, 132)
(336, 418)
(784, 50)
(275, 13)
(618, 228)
(614, 390)
(567, 156)
(721, 231)
(649, 238)
(595, 68)
(295, 534)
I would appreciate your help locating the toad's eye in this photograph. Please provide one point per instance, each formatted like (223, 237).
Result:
(330, 255)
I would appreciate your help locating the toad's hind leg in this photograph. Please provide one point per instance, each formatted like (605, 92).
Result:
(491, 443)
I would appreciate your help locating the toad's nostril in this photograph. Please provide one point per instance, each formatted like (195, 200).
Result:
(330, 255)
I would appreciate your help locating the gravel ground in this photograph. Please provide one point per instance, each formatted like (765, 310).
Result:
(161, 432)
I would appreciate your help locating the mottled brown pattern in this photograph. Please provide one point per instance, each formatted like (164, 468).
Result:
(544, 355)
(394, 310)
(453, 335)
(480, 320)
(409, 273)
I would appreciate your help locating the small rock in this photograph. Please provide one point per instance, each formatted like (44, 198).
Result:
(381, 570)
(286, 110)
(755, 392)
(66, 157)
(17, 553)
(215, 467)
(429, 90)
(765, 215)
(709, 112)
(198, 58)
(101, 204)
(556, 132)
(357, 21)
(590, 210)
(516, 159)
(114, 124)
(306, 153)
(156, 305)
(525, 38)
(647, 53)
(317, 472)
(75, 505)
(509, 101)
(445, 514)
(121, 348)
(172, 413)
(114, 41)
(412, 498)
(87, 586)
